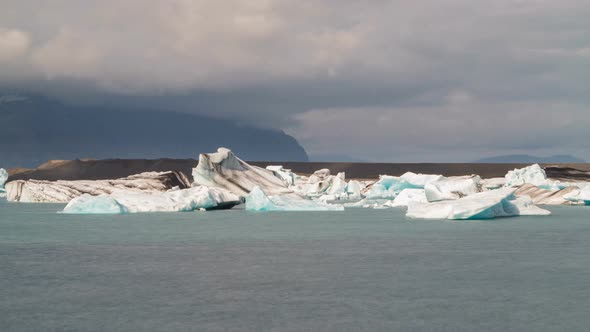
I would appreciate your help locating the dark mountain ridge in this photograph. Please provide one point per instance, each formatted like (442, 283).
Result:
(36, 129)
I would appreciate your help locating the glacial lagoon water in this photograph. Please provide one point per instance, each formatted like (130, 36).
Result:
(370, 270)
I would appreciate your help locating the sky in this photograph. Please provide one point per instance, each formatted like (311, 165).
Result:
(376, 80)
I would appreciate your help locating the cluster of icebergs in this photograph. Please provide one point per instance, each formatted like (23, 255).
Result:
(3, 178)
(222, 180)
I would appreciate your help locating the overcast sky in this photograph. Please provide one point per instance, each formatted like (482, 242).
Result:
(429, 80)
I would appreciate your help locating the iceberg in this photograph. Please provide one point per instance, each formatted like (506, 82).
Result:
(420, 180)
(579, 196)
(222, 169)
(493, 183)
(483, 205)
(3, 177)
(389, 186)
(286, 175)
(452, 188)
(88, 204)
(534, 175)
(257, 200)
(179, 200)
(354, 189)
(407, 197)
(547, 196)
(62, 191)
(321, 184)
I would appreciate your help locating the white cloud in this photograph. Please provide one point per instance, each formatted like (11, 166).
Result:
(396, 65)
(14, 44)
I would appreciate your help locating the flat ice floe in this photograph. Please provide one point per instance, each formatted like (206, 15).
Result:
(257, 200)
(483, 205)
(181, 200)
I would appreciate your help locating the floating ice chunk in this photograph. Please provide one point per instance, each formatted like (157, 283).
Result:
(380, 191)
(257, 200)
(319, 175)
(284, 174)
(190, 199)
(3, 177)
(546, 196)
(452, 188)
(493, 183)
(407, 197)
(389, 186)
(533, 174)
(338, 185)
(87, 204)
(579, 196)
(353, 190)
(63, 191)
(223, 169)
(420, 180)
(483, 205)
(322, 183)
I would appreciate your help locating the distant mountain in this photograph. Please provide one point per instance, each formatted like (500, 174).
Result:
(36, 129)
(523, 158)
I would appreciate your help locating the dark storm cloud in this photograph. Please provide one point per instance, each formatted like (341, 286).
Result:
(388, 80)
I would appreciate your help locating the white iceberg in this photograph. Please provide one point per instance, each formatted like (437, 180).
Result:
(407, 197)
(452, 188)
(354, 189)
(257, 200)
(389, 186)
(324, 186)
(180, 200)
(284, 174)
(579, 196)
(62, 191)
(420, 180)
(493, 183)
(483, 205)
(88, 204)
(3, 177)
(223, 169)
(533, 174)
(544, 196)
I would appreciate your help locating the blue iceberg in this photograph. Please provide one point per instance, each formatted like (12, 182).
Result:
(88, 204)
(257, 200)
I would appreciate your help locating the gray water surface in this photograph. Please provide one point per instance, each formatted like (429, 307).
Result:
(369, 270)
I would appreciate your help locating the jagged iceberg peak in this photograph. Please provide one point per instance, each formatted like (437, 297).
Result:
(533, 174)
(223, 169)
(286, 175)
(452, 187)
